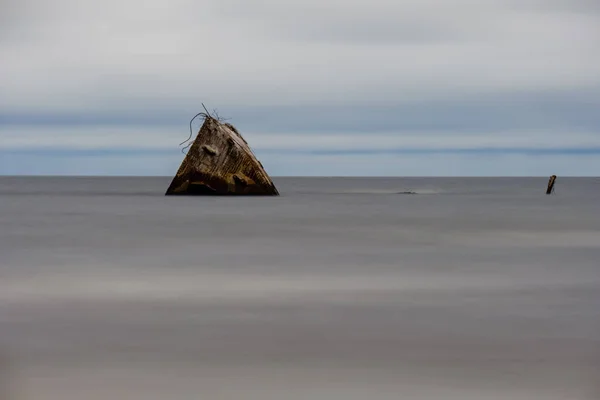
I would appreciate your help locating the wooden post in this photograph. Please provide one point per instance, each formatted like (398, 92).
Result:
(550, 188)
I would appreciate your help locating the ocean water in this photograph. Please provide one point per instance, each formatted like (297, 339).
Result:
(341, 288)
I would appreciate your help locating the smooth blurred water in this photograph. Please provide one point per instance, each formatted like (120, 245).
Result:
(341, 288)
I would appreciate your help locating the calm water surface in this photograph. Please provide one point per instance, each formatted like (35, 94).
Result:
(470, 288)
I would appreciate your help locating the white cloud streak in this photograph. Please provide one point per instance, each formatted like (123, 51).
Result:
(316, 165)
(148, 138)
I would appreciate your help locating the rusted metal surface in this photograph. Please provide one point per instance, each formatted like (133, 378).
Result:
(551, 182)
(220, 162)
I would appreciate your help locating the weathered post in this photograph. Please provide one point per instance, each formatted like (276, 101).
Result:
(550, 188)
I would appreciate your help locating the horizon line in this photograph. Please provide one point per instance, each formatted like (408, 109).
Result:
(302, 176)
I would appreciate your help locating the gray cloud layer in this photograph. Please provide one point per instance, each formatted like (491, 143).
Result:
(407, 72)
(71, 54)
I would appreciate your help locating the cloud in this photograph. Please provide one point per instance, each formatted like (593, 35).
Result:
(283, 164)
(300, 76)
(557, 6)
(549, 110)
(353, 22)
(434, 165)
(74, 55)
(103, 138)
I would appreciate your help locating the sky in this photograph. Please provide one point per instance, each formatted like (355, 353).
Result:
(317, 87)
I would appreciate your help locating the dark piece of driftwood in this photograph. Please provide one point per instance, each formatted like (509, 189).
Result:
(220, 162)
(550, 188)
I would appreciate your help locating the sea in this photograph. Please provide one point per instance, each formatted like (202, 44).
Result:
(340, 288)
